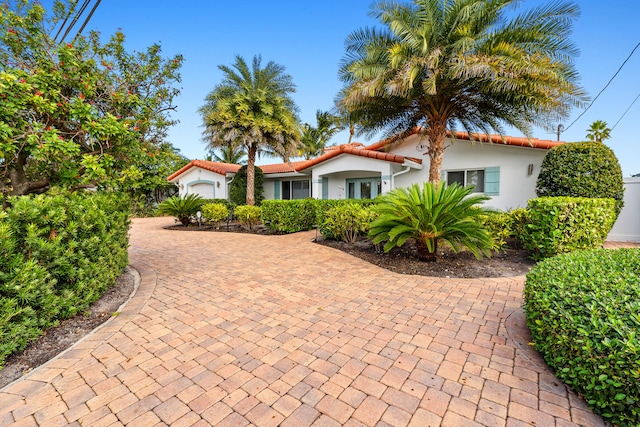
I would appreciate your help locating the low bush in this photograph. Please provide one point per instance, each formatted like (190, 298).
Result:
(60, 252)
(182, 208)
(214, 213)
(249, 216)
(323, 207)
(506, 228)
(558, 225)
(583, 310)
(347, 221)
(289, 216)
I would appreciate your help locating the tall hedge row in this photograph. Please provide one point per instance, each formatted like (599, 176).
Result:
(58, 253)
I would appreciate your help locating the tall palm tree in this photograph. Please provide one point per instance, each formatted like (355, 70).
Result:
(252, 108)
(314, 139)
(598, 131)
(227, 154)
(437, 64)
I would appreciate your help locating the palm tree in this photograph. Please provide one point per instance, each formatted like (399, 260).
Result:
(227, 154)
(429, 214)
(252, 108)
(314, 139)
(437, 64)
(598, 131)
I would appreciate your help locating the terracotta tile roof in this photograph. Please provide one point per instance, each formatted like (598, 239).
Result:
(544, 144)
(356, 149)
(217, 167)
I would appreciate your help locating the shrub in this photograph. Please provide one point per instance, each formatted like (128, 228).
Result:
(238, 187)
(323, 207)
(346, 221)
(429, 214)
(563, 224)
(583, 310)
(249, 216)
(60, 252)
(582, 169)
(506, 228)
(289, 216)
(182, 208)
(215, 213)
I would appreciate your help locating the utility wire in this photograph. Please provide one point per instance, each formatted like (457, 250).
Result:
(75, 19)
(607, 85)
(625, 112)
(86, 21)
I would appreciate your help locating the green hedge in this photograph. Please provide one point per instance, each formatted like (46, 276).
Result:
(558, 225)
(289, 216)
(324, 206)
(583, 310)
(60, 252)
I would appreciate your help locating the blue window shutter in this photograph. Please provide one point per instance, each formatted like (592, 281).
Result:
(443, 176)
(325, 188)
(492, 181)
(276, 189)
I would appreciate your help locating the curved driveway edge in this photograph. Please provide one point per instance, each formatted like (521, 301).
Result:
(238, 329)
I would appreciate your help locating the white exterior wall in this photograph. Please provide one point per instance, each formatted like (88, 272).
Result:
(627, 226)
(207, 184)
(516, 185)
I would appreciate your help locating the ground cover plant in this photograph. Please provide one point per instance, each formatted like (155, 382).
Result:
(583, 310)
(183, 208)
(60, 252)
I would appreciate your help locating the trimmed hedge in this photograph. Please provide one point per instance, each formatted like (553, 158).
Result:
(347, 221)
(558, 225)
(60, 252)
(504, 225)
(583, 310)
(323, 207)
(289, 216)
(249, 216)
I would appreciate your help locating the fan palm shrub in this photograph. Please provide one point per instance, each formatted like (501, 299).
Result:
(430, 214)
(182, 208)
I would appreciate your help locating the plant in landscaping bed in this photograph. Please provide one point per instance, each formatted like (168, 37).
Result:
(324, 206)
(215, 213)
(429, 214)
(289, 216)
(182, 208)
(346, 221)
(563, 224)
(249, 216)
(582, 169)
(583, 310)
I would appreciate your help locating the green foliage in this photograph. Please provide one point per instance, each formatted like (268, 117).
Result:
(583, 310)
(215, 213)
(582, 169)
(504, 227)
(79, 113)
(238, 187)
(249, 216)
(182, 208)
(60, 252)
(428, 215)
(564, 224)
(347, 221)
(324, 206)
(477, 65)
(289, 216)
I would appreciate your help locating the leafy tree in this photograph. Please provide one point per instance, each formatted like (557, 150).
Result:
(75, 114)
(314, 139)
(238, 187)
(437, 64)
(252, 107)
(598, 131)
(428, 215)
(581, 169)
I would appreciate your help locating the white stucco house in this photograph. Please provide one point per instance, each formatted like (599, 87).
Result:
(504, 168)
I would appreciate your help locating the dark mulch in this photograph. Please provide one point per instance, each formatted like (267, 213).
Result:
(57, 339)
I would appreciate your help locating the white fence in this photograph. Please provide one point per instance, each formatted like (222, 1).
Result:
(627, 227)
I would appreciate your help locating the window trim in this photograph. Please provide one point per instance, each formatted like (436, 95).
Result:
(491, 182)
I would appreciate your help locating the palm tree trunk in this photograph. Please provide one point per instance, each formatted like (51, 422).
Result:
(423, 251)
(437, 132)
(251, 174)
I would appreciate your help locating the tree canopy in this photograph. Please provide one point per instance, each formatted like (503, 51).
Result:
(76, 113)
(598, 131)
(252, 108)
(436, 65)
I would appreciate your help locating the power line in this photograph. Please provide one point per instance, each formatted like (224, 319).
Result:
(625, 112)
(86, 21)
(75, 19)
(607, 85)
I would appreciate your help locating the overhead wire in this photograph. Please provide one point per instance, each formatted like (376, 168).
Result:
(603, 89)
(75, 19)
(86, 21)
(625, 112)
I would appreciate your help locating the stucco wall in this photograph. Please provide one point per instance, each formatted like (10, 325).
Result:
(203, 182)
(627, 227)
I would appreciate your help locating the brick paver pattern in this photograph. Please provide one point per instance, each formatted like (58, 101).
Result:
(236, 329)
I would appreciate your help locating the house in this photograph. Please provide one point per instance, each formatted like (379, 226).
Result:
(504, 168)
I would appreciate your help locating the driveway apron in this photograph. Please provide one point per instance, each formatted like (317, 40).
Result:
(239, 329)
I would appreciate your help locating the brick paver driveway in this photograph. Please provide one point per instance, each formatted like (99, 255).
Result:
(234, 329)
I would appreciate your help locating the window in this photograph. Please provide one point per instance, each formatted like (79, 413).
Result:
(468, 177)
(363, 188)
(295, 190)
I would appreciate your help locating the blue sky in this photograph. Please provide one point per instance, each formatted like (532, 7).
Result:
(307, 38)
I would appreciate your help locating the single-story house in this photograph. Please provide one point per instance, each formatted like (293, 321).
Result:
(504, 168)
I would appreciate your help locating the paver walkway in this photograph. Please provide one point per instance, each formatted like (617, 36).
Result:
(235, 330)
